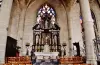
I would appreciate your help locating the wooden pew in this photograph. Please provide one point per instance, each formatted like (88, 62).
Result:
(20, 60)
(71, 60)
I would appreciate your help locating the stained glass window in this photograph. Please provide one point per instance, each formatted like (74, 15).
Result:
(46, 13)
(0, 2)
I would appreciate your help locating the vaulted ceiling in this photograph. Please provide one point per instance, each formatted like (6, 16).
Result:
(64, 2)
(67, 3)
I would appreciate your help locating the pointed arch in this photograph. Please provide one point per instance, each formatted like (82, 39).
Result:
(46, 15)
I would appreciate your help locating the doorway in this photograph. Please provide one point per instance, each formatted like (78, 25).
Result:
(10, 47)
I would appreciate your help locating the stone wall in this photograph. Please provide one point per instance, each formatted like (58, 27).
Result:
(4, 20)
(30, 20)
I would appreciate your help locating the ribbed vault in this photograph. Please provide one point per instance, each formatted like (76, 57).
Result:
(23, 3)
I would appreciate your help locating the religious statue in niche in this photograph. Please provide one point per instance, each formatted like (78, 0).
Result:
(37, 39)
(55, 39)
(46, 38)
(46, 24)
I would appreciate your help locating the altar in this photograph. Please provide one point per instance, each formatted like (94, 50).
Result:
(46, 39)
(46, 55)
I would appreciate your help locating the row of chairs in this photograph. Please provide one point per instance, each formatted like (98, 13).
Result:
(16, 64)
(31, 64)
(81, 64)
(72, 60)
(74, 64)
(21, 59)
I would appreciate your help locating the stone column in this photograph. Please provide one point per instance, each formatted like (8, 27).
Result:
(89, 32)
(4, 21)
(20, 35)
(70, 33)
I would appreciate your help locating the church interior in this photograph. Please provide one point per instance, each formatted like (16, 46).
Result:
(49, 32)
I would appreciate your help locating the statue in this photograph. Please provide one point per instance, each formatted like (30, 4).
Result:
(47, 38)
(46, 48)
(46, 24)
(53, 19)
(55, 39)
(38, 19)
(37, 39)
(62, 51)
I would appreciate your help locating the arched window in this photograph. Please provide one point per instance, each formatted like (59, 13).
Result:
(46, 16)
(0, 2)
(82, 28)
(46, 10)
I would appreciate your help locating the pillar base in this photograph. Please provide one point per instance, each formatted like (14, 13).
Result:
(2, 61)
(23, 53)
(92, 62)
